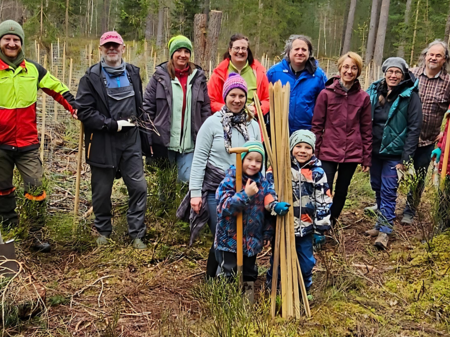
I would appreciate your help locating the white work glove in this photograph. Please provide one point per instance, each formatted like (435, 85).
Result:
(124, 124)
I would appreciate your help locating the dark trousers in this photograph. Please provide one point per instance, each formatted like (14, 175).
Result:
(228, 265)
(345, 173)
(130, 164)
(211, 264)
(422, 159)
(384, 181)
(30, 168)
(305, 255)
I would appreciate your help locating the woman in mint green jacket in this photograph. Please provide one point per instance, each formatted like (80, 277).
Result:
(176, 99)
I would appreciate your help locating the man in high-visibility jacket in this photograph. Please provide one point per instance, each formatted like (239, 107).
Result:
(20, 80)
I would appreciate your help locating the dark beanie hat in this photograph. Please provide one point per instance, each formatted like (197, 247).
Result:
(395, 62)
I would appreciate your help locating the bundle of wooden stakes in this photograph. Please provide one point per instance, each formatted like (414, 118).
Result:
(284, 255)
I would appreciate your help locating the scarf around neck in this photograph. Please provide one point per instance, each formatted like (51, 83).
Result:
(232, 120)
(14, 63)
(114, 71)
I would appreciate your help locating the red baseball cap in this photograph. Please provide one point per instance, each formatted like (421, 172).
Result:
(111, 37)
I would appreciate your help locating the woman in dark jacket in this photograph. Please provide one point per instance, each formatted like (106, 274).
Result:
(342, 123)
(397, 121)
(176, 99)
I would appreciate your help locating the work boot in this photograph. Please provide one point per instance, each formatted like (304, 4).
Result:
(102, 240)
(407, 219)
(382, 241)
(39, 244)
(138, 244)
(372, 232)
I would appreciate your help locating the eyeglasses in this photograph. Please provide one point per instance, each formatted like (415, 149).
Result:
(237, 49)
(348, 68)
(394, 72)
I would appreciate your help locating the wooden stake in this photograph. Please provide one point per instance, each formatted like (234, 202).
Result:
(78, 180)
(38, 53)
(51, 54)
(58, 49)
(239, 221)
(70, 74)
(264, 130)
(44, 98)
(90, 55)
(64, 63)
(55, 103)
(446, 155)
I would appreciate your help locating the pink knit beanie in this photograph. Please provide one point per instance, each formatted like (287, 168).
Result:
(233, 81)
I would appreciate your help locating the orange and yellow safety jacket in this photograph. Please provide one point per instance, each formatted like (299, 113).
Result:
(18, 96)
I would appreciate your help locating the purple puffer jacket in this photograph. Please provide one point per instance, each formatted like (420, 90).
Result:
(342, 123)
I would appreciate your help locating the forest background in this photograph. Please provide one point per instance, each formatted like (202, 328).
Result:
(334, 26)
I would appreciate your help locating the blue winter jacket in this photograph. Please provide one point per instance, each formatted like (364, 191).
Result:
(257, 226)
(304, 92)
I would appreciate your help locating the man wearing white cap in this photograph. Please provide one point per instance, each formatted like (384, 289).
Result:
(110, 102)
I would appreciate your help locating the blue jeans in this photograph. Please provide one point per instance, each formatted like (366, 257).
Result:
(384, 181)
(305, 254)
(183, 162)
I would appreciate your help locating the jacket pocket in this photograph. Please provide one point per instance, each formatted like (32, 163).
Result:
(96, 149)
(27, 93)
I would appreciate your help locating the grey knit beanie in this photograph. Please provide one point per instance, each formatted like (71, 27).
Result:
(12, 27)
(302, 136)
(396, 62)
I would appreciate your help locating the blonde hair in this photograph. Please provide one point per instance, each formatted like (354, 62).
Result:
(355, 57)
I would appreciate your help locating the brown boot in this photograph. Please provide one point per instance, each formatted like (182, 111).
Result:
(372, 232)
(382, 241)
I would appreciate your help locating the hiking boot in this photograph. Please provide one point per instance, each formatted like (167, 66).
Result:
(382, 241)
(102, 240)
(372, 232)
(138, 244)
(39, 244)
(407, 219)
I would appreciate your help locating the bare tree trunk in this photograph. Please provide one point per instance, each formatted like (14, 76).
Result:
(42, 13)
(372, 31)
(149, 32)
(381, 34)
(447, 28)
(106, 5)
(199, 39)
(401, 47)
(214, 25)
(349, 29)
(67, 19)
(344, 26)
(159, 29)
(414, 34)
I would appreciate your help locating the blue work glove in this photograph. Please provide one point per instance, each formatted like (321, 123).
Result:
(436, 152)
(318, 240)
(281, 208)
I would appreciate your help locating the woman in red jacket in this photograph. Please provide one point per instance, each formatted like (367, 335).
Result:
(239, 59)
(342, 123)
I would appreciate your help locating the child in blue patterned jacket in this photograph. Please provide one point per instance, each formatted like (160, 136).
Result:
(312, 201)
(257, 196)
